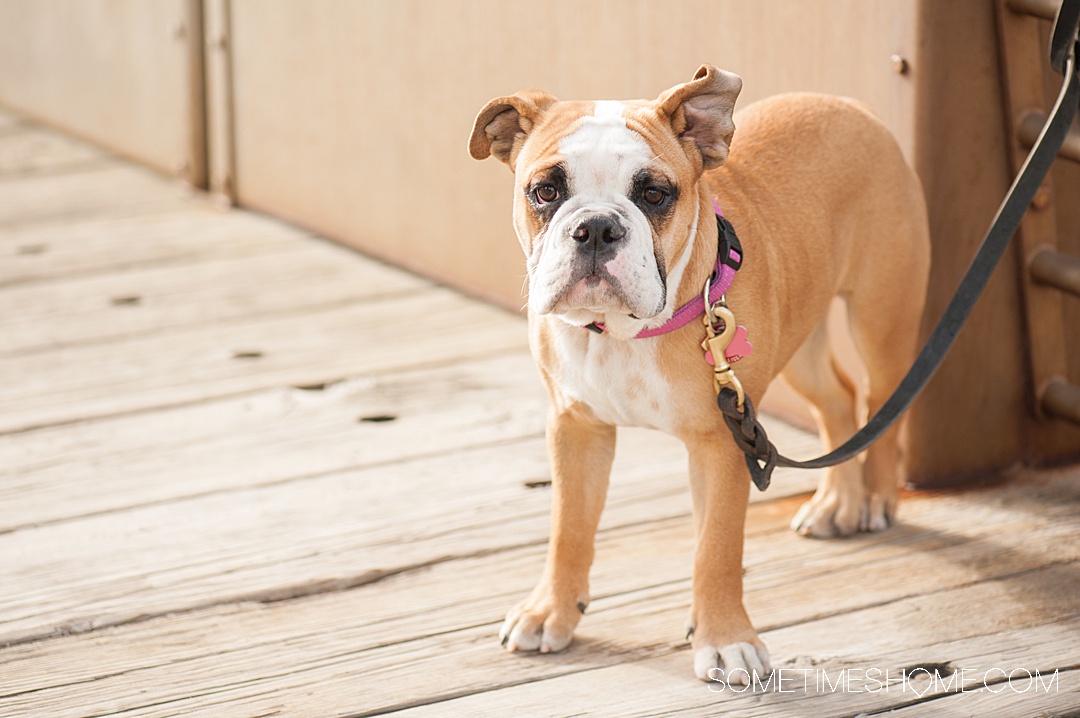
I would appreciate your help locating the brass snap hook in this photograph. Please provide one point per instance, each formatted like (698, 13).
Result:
(715, 344)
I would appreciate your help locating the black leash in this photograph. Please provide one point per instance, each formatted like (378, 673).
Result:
(750, 436)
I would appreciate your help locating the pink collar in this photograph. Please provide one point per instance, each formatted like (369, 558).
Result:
(728, 260)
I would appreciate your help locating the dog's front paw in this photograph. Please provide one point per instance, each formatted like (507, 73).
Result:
(733, 656)
(841, 508)
(738, 663)
(541, 623)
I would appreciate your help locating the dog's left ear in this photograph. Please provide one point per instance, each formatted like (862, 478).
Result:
(700, 111)
(502, 126)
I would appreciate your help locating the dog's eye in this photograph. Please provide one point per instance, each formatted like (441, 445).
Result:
(654, 195)
(546, 193)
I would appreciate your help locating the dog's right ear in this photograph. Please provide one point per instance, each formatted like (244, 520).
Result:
(502, 126)
(701, 112)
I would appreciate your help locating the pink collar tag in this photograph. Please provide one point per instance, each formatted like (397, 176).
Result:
(739, 348)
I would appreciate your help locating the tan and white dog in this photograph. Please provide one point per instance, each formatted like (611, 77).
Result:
(613, 205)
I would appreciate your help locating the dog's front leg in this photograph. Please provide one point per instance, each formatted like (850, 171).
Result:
(726, 646)
(581, 451)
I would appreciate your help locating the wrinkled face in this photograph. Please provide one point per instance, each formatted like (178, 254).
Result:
(597, 212)
(606, 206)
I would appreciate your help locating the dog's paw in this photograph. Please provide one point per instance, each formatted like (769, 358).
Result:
(728, 653)
(840, 511)
(879, 513)
(734, 664)
(539, 624)
(832, 511)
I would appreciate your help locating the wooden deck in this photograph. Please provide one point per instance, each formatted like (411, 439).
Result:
(245, 472)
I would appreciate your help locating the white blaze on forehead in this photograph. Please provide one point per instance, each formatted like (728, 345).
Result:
(603, 154)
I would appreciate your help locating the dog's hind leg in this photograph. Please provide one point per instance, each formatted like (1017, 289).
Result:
(836, 508)
(885, 330)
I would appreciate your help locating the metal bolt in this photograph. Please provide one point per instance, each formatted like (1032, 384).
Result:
(177, 29)
(899, 64)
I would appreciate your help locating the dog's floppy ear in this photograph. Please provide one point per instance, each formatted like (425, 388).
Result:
(700, 111)
(502, 126)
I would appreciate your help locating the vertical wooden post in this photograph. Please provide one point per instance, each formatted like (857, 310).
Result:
(219, 99)
(980, 414)
(970, 419)
(195, 172)
(1022, 40)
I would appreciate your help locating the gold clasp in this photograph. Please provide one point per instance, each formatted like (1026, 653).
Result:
(718, 318)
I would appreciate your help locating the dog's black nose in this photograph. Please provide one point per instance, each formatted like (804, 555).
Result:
(598, 232)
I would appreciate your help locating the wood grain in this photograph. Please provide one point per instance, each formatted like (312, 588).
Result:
(108, 188)
(184, 234)
(656, 685)
(358, 651)
(193, 543)
(201, 362)
(145, 300)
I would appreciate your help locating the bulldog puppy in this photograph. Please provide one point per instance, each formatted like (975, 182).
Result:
(614, 207)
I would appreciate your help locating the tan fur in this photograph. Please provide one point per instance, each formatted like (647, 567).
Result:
(824, 205)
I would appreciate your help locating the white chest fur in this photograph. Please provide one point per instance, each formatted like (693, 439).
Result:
(620, 380)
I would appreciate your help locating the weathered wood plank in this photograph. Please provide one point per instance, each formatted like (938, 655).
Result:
(98, 308)
(662, 685)
(265, 438)
(284, 434)
(656, 679)
(363, 650)
(251, 671)
(1015, 698)
(300, 538)
(183, 235)
(320, 532)
(201, 362)
(107, 189)
(32, 151)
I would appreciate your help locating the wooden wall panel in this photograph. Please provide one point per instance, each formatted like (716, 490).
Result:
(122, 73)
(351, 116)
